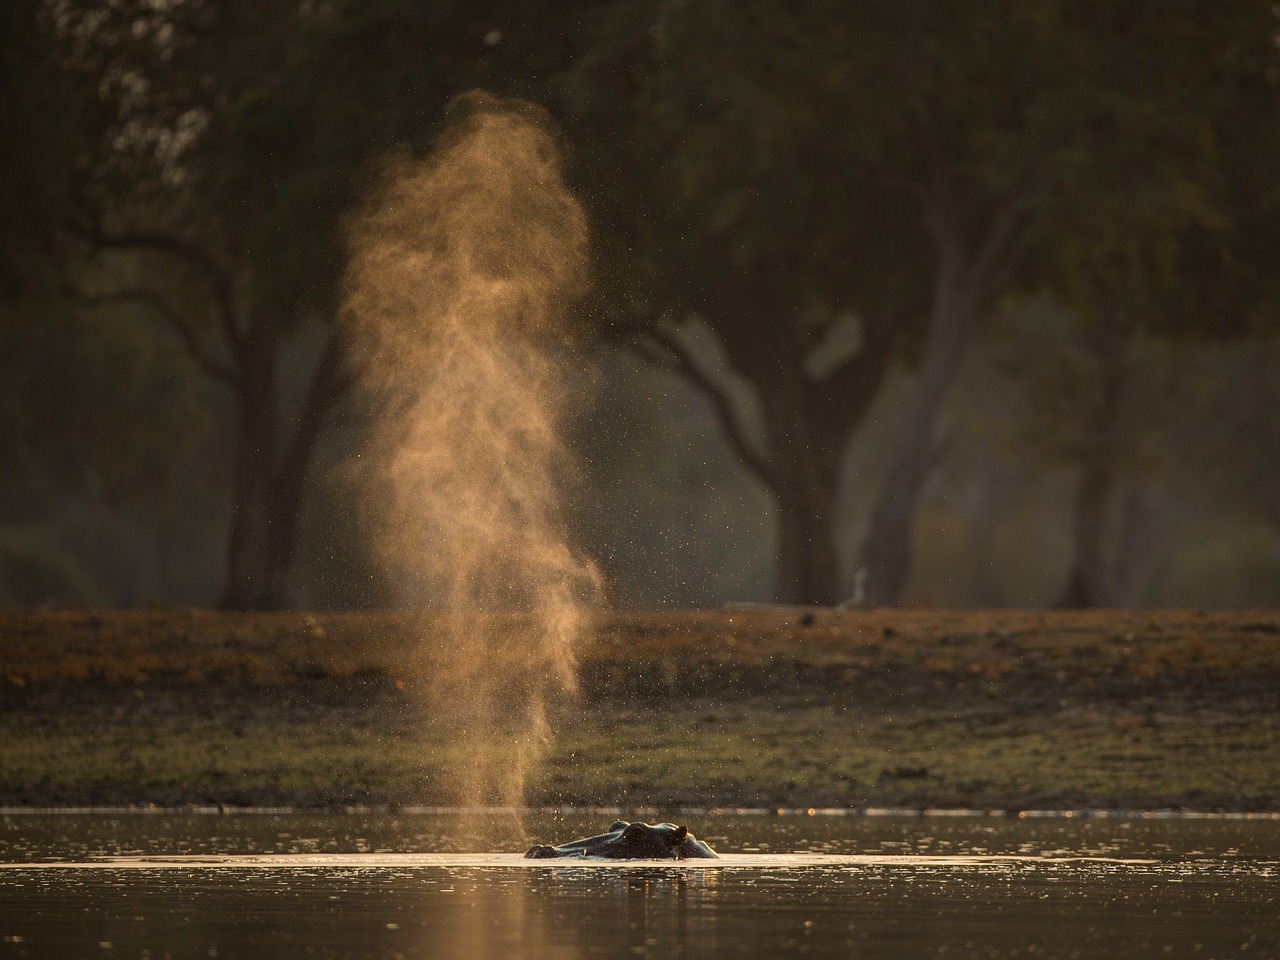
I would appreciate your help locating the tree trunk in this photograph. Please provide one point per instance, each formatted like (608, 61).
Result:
(886, 551)
(266, 491)
(1132, 546)
(1084, 586)
(288, 490)
(804, 457)
(264, 534)
(247, 583)
(285, 513)
(807, 425)
(269, 491)
(1088, 580)
(808, 568)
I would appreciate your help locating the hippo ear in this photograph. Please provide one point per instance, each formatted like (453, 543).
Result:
(678, 836)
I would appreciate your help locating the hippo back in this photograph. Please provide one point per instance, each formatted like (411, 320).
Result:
(631, 841)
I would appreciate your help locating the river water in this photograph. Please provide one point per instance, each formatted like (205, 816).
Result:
(278, 885)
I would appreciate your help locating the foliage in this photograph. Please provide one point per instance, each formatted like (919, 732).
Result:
(216, 153)
(38, 129)
(794, 169)
(204, 208)
(830, 191)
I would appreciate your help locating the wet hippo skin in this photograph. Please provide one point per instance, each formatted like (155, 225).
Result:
(631, 841)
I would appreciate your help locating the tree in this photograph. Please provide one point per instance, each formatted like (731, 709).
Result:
(222, 148)
(1167, 239)
(792, 168)
(97, 420)
(165, 228)
(732, 213)
(218, 150)
(38, 128)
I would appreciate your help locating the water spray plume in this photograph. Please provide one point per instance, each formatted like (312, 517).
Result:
(463, 272)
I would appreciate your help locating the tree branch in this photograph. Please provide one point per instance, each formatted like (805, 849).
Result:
(664, 350)
(1004, 244)
(199, 351)
(192, 254)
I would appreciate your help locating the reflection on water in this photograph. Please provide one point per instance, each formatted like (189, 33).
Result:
(370, 886)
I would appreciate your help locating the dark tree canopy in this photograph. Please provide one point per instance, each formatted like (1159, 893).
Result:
(790, 169)
(830, 194)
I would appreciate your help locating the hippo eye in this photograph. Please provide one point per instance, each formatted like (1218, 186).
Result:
(634, 831)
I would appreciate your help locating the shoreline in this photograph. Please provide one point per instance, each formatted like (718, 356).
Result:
(1008, 711)
(1096, 813)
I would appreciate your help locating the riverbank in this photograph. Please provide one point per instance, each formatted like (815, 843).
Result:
(1006, 710)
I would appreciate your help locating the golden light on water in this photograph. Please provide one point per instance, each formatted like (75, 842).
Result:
(464, 268)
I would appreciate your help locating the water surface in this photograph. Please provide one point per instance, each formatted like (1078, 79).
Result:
(398, 885)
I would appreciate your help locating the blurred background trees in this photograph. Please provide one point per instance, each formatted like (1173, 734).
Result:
(964, 306)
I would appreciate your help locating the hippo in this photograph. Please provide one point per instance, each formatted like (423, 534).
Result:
(631, 841)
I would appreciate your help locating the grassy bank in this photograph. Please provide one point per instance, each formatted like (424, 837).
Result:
(1006, 710)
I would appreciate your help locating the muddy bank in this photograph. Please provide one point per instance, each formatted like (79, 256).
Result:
(1002, 710)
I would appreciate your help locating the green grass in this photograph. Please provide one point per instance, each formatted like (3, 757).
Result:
(827, 755)
(754, 752)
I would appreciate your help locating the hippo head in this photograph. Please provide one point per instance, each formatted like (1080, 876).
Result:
(631, 841)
